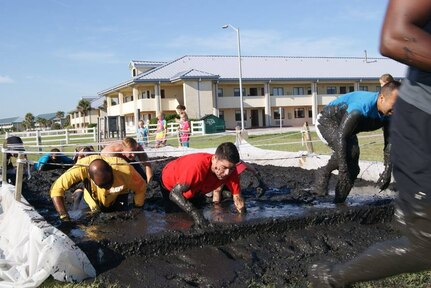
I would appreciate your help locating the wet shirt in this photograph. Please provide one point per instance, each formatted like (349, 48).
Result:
(194, 171)
(44, 162)
(125, 178)
(362, 102)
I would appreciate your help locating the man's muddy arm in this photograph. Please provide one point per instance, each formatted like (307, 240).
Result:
(403, 37)
(58, 202)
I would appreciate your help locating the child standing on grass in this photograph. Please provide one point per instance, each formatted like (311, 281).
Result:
(142, 134)
(184, 130)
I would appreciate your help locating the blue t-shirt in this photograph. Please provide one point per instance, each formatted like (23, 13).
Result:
(361, 101)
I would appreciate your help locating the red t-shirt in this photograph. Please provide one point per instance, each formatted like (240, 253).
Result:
(194, 171)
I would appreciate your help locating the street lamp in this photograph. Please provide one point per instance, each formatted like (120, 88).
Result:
(240, 73)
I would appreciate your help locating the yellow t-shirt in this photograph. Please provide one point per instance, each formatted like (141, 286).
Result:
(125, 178)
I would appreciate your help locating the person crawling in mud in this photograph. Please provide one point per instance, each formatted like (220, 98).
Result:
(128, 146)
(241, 166)
(107, 181)
(200, 173)
(52, 160)
(337, 126)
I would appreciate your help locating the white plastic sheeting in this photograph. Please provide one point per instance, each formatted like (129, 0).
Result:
(31, 249)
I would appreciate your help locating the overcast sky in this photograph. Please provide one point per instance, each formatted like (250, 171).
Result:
(53, 52)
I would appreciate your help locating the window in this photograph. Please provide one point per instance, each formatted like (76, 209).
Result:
(162, 93)
(363, 88)
(309, 91)
(236, 91)
(238, 115)
(310, 113)
(253, 91)
(299, 113)
(331, 90)
(298, 90)
(343, 89)
(351, 88)
(277, 114)
(221, 115)
(220, 92)
(134, 72)
(277, 91)
(378, 88)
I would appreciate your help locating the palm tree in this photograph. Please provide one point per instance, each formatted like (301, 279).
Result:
(84, 106)
(28, 122)
(41, 122)
(60, 116)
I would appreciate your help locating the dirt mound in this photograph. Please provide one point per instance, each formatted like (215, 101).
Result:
(282, 233)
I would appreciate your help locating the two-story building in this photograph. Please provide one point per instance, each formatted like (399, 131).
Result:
(295, 87)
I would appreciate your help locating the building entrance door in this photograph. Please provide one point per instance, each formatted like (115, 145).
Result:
(254, 118)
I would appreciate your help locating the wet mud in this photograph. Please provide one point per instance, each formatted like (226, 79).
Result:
(272, 244)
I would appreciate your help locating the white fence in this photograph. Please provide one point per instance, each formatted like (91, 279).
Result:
(196, 128)
(89, 135)
(64, 136)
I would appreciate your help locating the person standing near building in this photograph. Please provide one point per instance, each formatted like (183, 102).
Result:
(142, 134)
(184, 130)
(406, 37)
(161, 130)
(337, 126)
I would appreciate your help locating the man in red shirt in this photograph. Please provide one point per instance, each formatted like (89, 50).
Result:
(201, 173)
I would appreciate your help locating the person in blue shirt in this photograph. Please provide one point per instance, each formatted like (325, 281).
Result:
(337, 126)
(142, 134)
(52, 160)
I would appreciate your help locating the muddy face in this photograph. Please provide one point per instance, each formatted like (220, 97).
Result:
(222, 168)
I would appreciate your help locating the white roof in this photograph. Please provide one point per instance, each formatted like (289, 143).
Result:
(266, 68)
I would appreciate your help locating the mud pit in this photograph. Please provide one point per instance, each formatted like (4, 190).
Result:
(273, 244)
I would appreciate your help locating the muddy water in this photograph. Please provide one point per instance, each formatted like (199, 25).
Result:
(272, 244)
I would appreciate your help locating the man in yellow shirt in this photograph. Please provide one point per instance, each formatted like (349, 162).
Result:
(107, 181)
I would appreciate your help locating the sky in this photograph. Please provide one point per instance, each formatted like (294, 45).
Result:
(53, 52)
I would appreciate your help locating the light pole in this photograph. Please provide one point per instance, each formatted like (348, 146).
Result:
(240, 73)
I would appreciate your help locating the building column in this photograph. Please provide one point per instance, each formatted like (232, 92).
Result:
(267, 104)
(215, 93)
(135, 92)
(315, 102)
(120, 102)
(356, 85)
(158, 98)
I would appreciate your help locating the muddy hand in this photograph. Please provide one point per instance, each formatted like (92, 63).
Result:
(261, 189)
(239, 204)
(384, 180)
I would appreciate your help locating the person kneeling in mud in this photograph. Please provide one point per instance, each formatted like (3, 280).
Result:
(337, 126)
(200, 173)
(107, 181)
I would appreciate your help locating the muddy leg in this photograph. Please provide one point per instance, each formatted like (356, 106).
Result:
(344, 185)
(323, 174)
